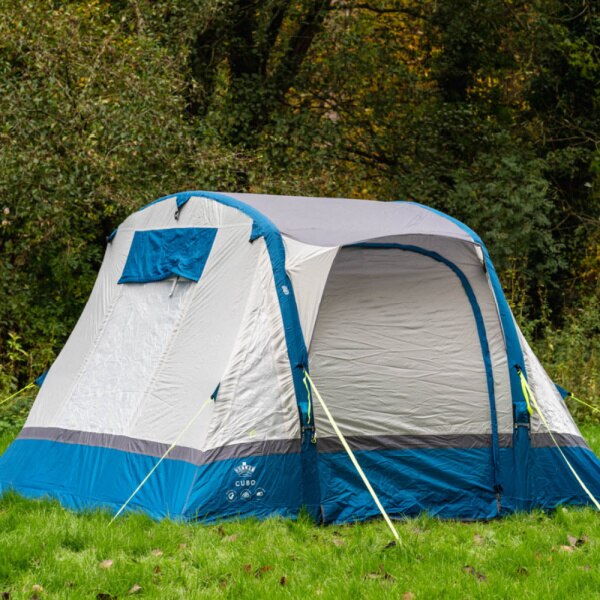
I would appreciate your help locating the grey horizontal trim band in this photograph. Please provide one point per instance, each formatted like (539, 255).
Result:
(544, 440)
(324, 444)
(464, 441)
(410, 442)
(150, 448)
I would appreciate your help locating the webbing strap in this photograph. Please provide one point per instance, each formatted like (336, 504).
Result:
(17, 393)
(353, 458)
(526, 392)
(529, 394)
(309, 397)
(139, 487)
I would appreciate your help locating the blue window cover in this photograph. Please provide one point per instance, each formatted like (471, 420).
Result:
(162, 253)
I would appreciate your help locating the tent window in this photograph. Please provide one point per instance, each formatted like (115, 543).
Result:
(159, 254)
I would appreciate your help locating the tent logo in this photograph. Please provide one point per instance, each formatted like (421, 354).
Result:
(245, 470)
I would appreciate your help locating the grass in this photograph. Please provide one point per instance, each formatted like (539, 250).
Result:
(528, 556)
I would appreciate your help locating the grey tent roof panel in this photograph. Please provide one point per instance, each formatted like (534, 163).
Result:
(343, 221)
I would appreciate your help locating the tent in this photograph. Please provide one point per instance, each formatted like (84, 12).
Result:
(207, 314)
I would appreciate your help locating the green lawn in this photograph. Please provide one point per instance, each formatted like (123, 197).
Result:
(48, 552)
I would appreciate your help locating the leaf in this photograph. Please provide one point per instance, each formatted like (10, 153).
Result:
(182, 546)
(339, 542)
(566, 548)
(106, 564)
(262, 570)
(522, 570)
(283, 580)
(36, 587)
(157, 570)
(381, 573)
(471, 571)
(135, 589)
(248, 568)
(408, 596)
(157, 552)
(231, 538)
(584, 567)
(478, 540)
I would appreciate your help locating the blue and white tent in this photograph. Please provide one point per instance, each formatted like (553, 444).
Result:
(205, 315)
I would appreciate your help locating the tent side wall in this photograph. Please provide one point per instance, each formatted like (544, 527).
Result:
(534, 470)
(142, 360)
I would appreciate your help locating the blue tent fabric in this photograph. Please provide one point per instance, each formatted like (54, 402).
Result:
(40, 380)
(408, 482)
(561, 390)
(159, 254)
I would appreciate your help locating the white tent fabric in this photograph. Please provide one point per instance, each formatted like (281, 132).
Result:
(342, 221)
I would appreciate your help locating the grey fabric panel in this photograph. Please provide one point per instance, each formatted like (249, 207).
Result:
(342, 221)
(415, 442)
(466, 257)
(396, 350)
(544, 440)
(412, 442)
(149, 448)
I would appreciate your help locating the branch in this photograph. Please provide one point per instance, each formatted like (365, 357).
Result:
(299, 45)
(375, 9)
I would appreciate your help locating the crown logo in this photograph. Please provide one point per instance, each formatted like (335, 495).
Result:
(244, 470)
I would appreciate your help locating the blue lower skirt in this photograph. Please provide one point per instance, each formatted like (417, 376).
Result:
(445, 482)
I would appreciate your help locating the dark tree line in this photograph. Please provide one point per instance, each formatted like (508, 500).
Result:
(488, 110)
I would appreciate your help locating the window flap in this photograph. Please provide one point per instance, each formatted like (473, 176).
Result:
(158, 254)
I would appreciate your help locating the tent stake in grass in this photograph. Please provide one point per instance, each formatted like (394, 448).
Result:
(353, 458)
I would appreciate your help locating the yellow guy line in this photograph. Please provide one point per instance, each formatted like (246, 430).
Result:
(139, 487)
(539, 412)
(582, 402)
(353, 458)
(17, 392)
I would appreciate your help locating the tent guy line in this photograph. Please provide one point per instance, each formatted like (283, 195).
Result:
(168, 451)
(353, 459)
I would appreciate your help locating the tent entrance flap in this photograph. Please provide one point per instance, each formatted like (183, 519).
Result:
(159, 254)
(414, 349)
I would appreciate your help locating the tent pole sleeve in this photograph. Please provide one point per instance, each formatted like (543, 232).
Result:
(353, 458)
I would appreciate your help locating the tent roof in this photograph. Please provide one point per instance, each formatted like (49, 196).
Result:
(342, 221)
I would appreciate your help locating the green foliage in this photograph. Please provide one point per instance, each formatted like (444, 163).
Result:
(572, 357)
(488, 110)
